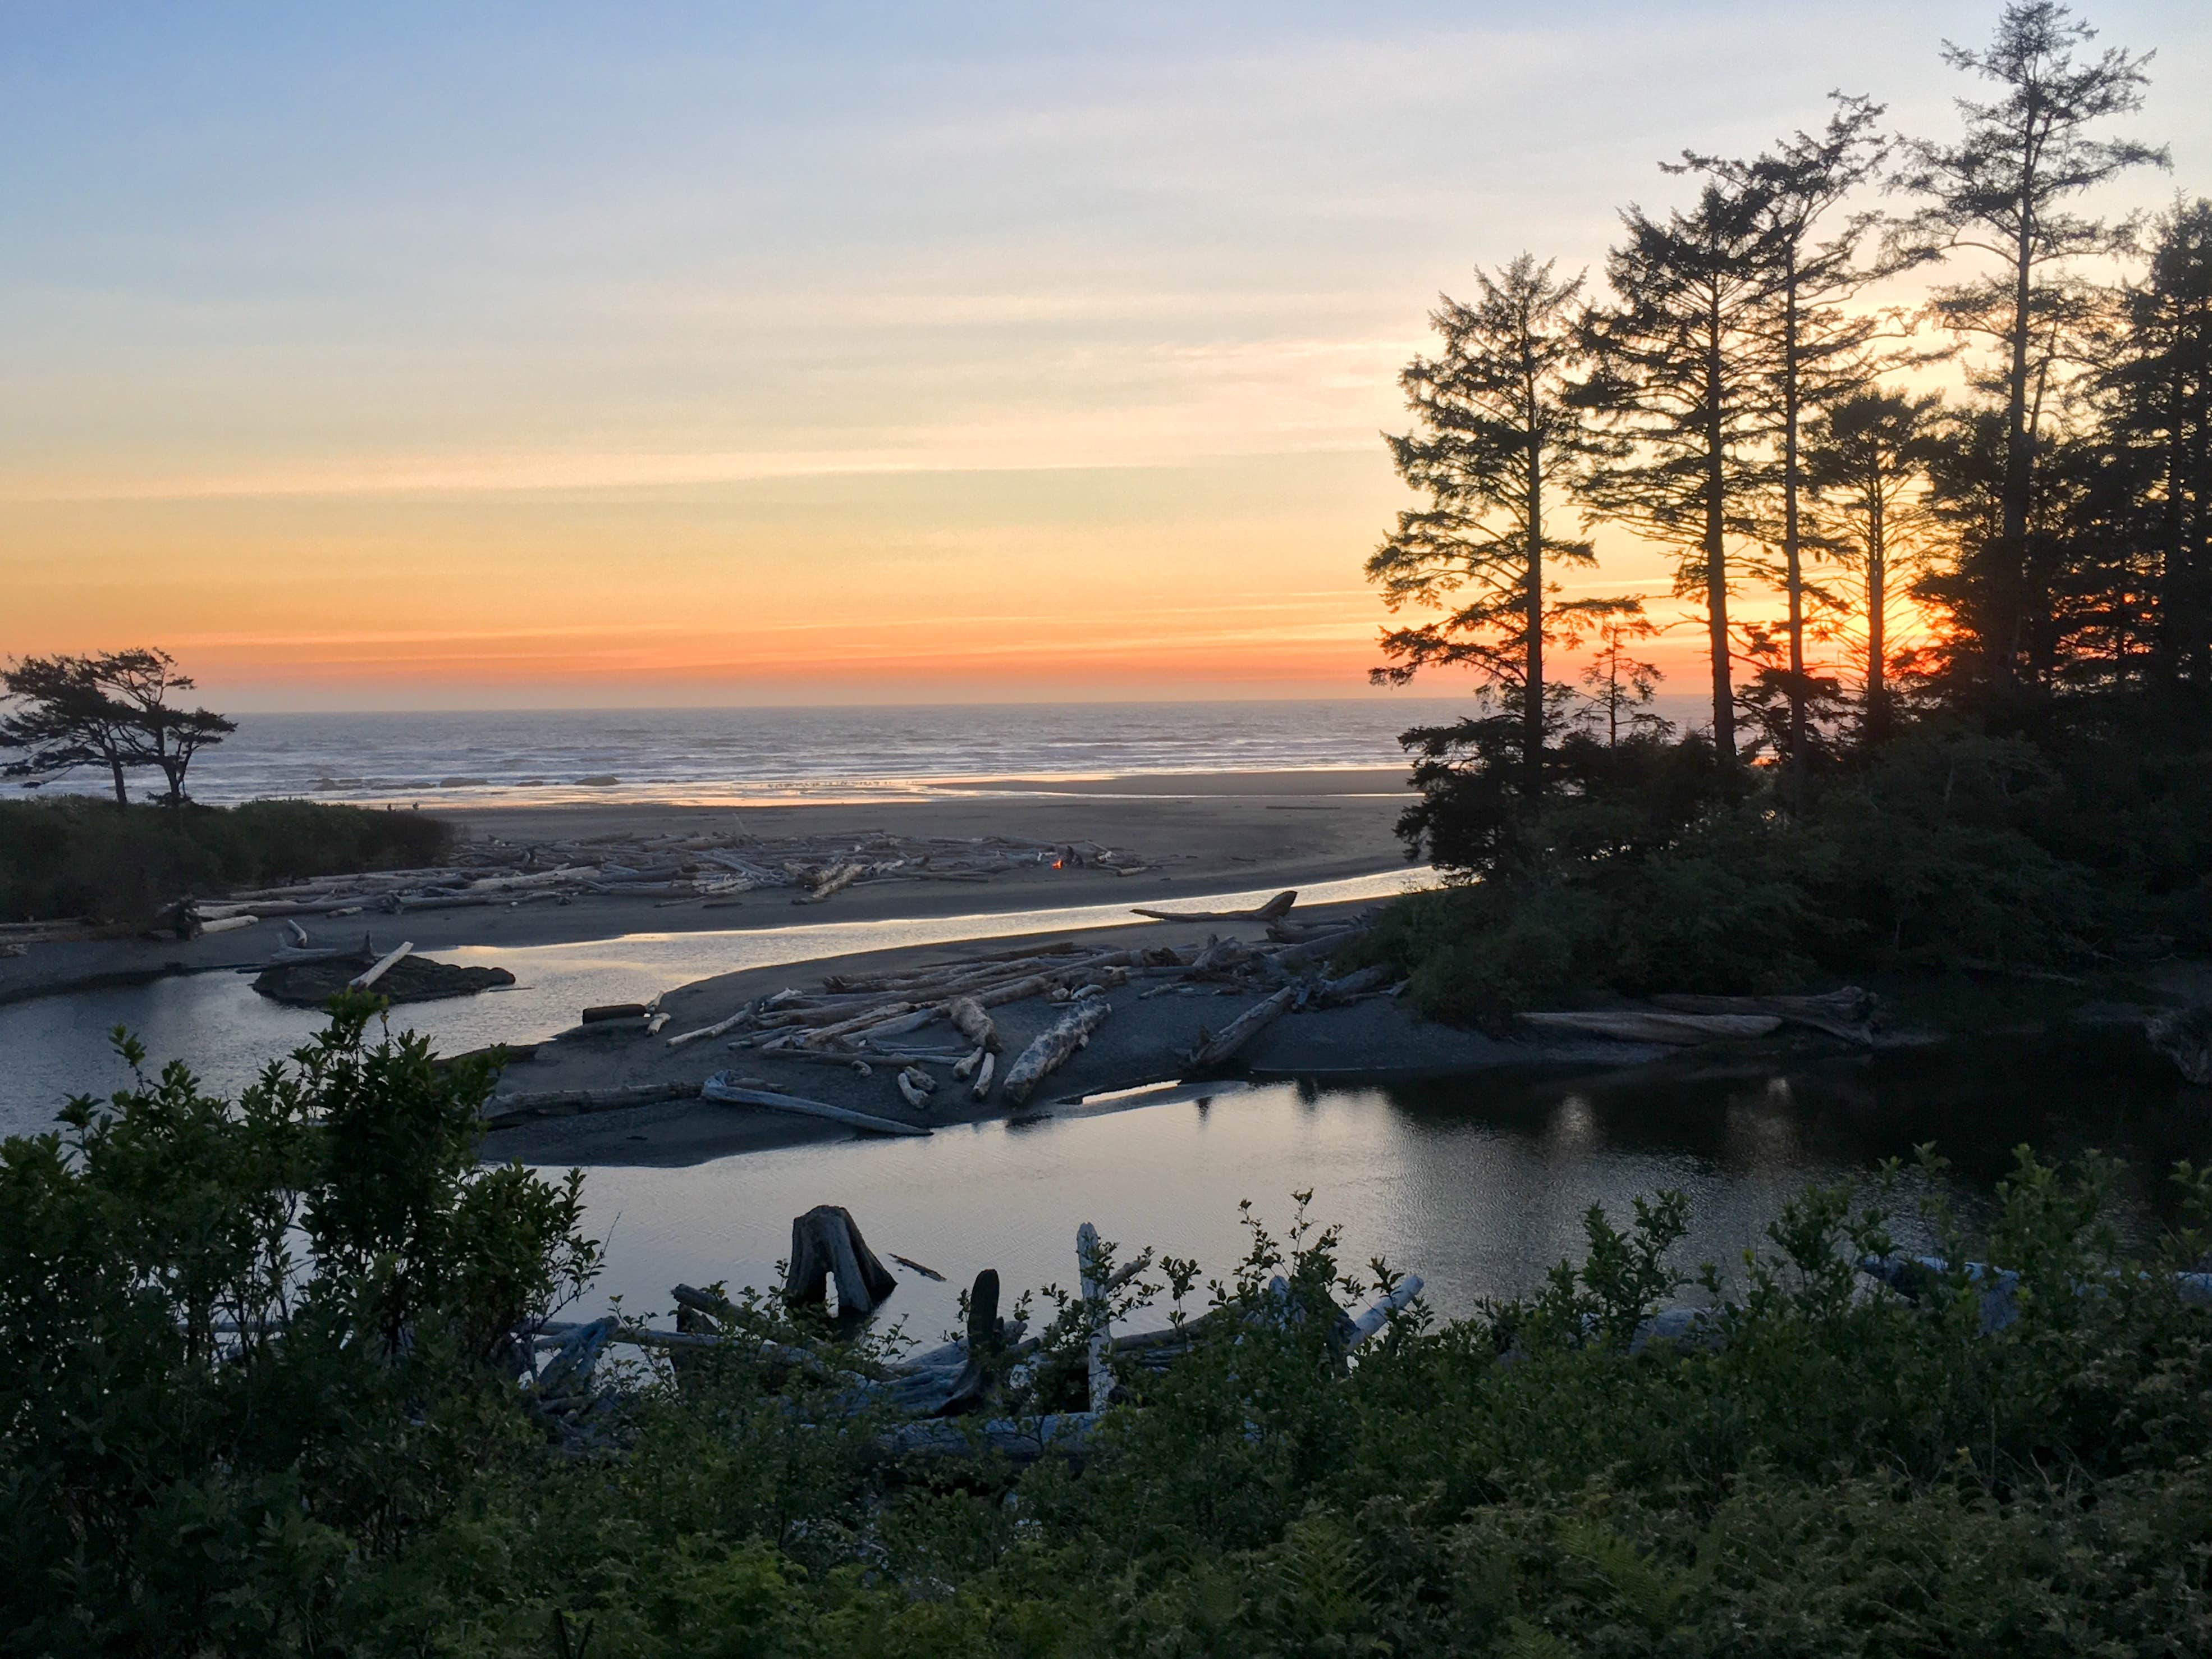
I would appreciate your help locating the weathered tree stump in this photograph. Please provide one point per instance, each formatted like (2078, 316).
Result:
(985, 1350)
(826, 1243)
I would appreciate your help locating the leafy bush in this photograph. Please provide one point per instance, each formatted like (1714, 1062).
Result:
(72, 856)
(246, 1342)
(256, 1403)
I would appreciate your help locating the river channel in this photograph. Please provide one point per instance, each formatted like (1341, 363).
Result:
(1478, 1183)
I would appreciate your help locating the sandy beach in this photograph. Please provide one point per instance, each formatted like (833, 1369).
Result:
(1198, 832)
(1202, 835)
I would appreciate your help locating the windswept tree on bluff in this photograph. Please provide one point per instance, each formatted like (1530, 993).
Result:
(2001, 191)
(116, 711)
(1500, 441)
(1683, 372)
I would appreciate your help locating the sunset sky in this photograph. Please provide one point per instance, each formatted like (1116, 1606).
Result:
(396, 356)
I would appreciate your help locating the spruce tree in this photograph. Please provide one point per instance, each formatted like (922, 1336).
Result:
(1684, 374)
(1866, 460)
(2155, 389)
(1816, 349)
(2001, 190)
(1498, 449)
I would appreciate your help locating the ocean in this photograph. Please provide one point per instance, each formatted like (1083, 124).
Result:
(754, 756)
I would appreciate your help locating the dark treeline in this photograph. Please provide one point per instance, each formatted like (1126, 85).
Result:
(1895, 584)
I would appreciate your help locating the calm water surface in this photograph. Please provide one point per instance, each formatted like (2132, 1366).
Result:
(218, 1025)
(1480, 1183)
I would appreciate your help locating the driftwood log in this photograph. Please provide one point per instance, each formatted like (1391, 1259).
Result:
(967, 1017)
(1097, 1373)
(719, 1028)
(1847, 1013)
(1635, 1026)
(1218, 1049)
(826, 1244)
(739, 1091)
(1053, 1046)
(504, 1111)
(383, 965)
(1273, 909)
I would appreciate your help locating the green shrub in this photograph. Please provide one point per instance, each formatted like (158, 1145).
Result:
(1821, 1467)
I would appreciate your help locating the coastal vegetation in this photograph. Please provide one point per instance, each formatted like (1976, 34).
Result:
(77, 856)
(1979, 729)
(116, 714)
(259, 1378)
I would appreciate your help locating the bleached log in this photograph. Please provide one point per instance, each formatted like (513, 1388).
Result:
(1211, 1051)
(719, 1028)
(228, 924)
(1355, 984)
(929, 971)
(1635, 1026)
(966, 1067)
(967, 1017)
(721, 1087)
(1055, 1046)
(1364, 1325)
(1100, 1376)
(835, 882)
(1129, 1270)
(379, 969)
(915, 1095)
(1846, 1013)
(983, 1076)
(1277, 906)
(504, 1111)
(822, 1034)
(535, 878)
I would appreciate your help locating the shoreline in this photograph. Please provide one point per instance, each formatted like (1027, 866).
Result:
(1139, 1047)
(1225, 837)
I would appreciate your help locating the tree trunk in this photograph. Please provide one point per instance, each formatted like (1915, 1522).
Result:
(1792, 550)
(1532, 692)
(2002, 645)
(826, 1243)
(1717, 542)
(1876, 723)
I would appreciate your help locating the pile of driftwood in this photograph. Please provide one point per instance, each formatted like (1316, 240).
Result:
(678, 868)
(938, 1014)
(947, 1400)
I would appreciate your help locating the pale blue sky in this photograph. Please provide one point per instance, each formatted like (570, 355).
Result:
(281, 276)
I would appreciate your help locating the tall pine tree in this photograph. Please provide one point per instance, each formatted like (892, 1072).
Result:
(2001, 190)
(1498, 445)
(1816, 348)
(1684, 372)
(1867, 460)
(2155, 392)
